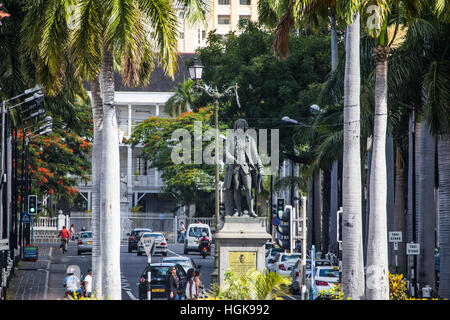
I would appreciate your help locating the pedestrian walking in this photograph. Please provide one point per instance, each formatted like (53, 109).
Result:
(72, 233)
(64, 234)
(173, 284)
(181, 232)
(198, 284)
(191, 288)
(87, 284)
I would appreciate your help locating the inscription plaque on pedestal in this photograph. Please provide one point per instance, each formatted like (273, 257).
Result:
(241, 261)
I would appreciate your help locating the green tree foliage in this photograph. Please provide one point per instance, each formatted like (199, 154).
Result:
(268, 88)
(186, 182)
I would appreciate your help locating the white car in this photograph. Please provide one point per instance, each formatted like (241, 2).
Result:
(160, 243)
(325, 278)
(271, 254)
(284, 263)
(295, 284)
(193, 234)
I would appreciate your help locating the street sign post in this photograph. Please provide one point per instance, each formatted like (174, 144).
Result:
(4, 244)
(276, 221)
(149, 247)
(395, 237)
(412, 248)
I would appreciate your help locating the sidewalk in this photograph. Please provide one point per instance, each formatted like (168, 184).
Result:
(41, 280)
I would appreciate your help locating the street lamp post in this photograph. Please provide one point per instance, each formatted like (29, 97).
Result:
(196, 73)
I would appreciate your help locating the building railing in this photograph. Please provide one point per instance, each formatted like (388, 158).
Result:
(45, 223)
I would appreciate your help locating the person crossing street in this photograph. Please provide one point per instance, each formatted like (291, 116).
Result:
(64, 234)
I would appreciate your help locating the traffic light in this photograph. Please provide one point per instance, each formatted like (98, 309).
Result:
(33, 204)
(284, 229)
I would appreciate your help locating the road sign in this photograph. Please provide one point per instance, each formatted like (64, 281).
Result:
(413, 248)
(26, 217)
(395, 236)
(276, 221)
(147, 243)
(31, 252)
(4, 245)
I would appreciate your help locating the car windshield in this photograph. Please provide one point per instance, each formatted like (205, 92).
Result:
(86, 235)
(329, 273)
(273, 253)
(323, 263)
(153, 235)
(290, 257)
(183, 262)
(197, 231)
(159, 271)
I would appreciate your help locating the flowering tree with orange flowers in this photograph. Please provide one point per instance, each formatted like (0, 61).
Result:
(59, 160)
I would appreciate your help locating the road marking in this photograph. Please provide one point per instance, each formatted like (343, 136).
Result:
(291, 297)
(130, 295)
(174, 253)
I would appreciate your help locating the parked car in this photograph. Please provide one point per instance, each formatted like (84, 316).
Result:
(325, 278)
(295, 284)
(158, 281)
(132, 242)
(271, 255)
(193, 235)
(160, 243)
(284, 263)
(84, 242)
(186, 262)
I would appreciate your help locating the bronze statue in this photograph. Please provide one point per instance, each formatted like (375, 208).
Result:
(243, 168)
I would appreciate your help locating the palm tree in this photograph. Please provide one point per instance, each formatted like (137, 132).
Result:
(253, 285)
(104, 33)
(182, 100)
(352, 245)
(377, 249)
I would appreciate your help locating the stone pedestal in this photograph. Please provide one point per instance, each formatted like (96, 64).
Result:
(241, 244)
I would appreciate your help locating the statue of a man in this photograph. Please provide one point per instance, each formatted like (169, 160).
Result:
(244, 167)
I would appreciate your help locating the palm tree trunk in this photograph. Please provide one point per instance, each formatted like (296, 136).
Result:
(333, 247)
(110, 184)
(426, 205)
(317, 195)
(377, 285)
(352, 246)
(444, 213)
(333, 208)
(399, 223)
(390, 200)
(97, 115)
(326, 211)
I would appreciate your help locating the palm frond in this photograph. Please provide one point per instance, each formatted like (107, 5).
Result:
(164, 31)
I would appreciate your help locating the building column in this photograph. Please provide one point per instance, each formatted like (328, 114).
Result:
(157, 110)
(129, 162)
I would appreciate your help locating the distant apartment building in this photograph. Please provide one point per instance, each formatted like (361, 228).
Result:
(224, 17)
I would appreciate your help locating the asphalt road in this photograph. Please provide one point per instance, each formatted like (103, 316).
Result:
(132, 265)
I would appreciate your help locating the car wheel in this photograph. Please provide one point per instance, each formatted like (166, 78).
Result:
(139, 254)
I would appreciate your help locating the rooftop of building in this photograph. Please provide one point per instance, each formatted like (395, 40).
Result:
(159, 81)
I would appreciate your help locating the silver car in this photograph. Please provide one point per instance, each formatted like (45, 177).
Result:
(186, 262)
(160, 243)
(84, 243)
